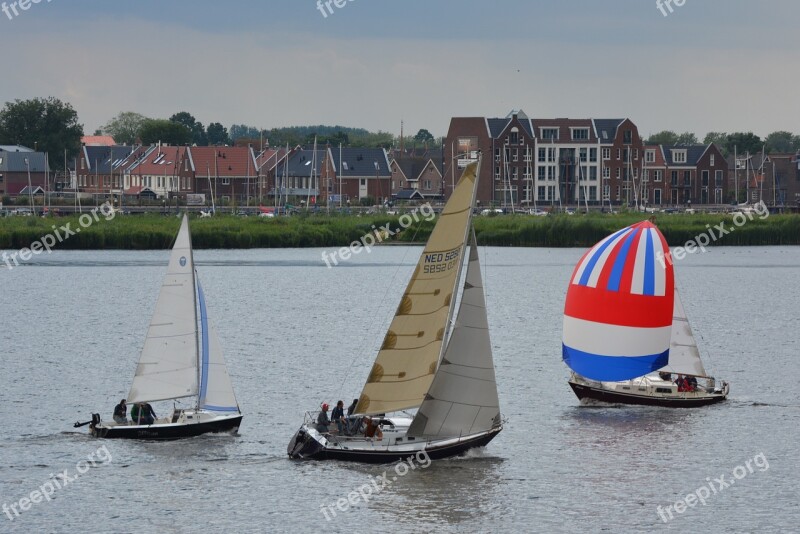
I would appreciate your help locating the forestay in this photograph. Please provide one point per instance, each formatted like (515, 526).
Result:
(684, 356)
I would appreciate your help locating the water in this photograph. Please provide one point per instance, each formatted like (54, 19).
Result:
(296, 333)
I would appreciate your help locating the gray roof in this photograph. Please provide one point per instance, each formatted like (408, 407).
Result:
(496, 126)
(361, 162)
(15, 161)
(607, 128)
(100, 157)
(299, 163)
(14, 148)
(693, 154)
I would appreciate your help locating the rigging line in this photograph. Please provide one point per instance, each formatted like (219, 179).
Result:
(360, 354)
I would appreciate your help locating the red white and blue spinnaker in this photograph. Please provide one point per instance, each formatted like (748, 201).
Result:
(618, 311)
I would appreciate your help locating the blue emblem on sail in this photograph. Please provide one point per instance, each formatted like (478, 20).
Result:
(183, 261)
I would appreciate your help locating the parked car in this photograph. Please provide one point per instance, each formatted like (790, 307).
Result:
(22, 212)
(537, 212)
(489, 211)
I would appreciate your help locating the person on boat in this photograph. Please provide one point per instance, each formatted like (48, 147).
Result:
(681, 383)
(338, 416)
(665, 376)
(136, 413)
(148, 415)
(352, 422)
(322, 420)
(691, 383)
(121, 413)
(373, 429)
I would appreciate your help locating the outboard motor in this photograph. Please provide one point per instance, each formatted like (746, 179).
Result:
(95, 420)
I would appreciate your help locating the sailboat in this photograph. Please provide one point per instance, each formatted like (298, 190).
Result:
(182, 358)
(626, 336)
(427, 391)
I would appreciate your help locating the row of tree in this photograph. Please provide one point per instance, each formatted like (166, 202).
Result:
(180, 129)
(780, 142)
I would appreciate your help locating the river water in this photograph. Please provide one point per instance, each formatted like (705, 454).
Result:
(296, 333)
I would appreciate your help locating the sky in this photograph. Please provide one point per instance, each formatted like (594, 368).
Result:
(708, 65)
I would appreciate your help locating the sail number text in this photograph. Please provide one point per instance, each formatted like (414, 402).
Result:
(440, 262)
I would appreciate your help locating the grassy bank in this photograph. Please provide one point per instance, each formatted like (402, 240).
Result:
(157, 232)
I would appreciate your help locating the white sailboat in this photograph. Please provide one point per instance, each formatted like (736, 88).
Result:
(182, 358)
(426, 391)
(626, 335)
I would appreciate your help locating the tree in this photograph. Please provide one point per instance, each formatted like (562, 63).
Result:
(664, 137)
(125, 127)
(165, 131)
(423, 136)
(199, 136)
(687, 138)
(47, 124)
(744, 142)
(242, 130)
(217, 134)
(781, 142)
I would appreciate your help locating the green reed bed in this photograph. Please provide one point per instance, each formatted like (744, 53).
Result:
(141, 232)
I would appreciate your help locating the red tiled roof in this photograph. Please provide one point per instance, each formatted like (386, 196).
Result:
(161, 161)
(224, 160)
(97, 140)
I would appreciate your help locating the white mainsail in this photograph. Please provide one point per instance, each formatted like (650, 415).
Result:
(463, 399)
(216, 391)
(407, 361)
(168, 364)
(684, 356)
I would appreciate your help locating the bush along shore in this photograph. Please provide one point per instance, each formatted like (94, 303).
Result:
(141, 232)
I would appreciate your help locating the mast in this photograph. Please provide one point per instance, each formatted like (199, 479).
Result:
(194, 308)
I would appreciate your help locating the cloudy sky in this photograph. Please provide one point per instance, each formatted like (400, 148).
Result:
(721, 65)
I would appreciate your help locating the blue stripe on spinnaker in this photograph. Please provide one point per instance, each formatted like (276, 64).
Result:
(619, 263)
(204, 344)
(612, 368)
(587, 273)
(649, 266)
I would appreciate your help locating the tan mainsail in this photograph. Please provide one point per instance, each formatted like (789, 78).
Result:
(407, 360)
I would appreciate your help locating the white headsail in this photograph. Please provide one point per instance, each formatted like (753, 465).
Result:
(463, 396)
(684, 356)
(168, 364)
(216, 391)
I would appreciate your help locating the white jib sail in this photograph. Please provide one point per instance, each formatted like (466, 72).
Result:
(168, 364)
(462, 399)
(216, 391)
(684, 356)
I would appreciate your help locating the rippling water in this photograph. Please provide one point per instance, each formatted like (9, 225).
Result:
(296, 333)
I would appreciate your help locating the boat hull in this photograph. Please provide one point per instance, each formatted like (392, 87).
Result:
(585, 393)
(170, 431)
(305, 445)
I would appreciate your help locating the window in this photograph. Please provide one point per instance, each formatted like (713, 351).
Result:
(627, 155)
(497, 173)
(426, 184)
(718, 179)
(515, 155)
(687, 177)
(636, 154)
(674, 181)
(551, 154)
(542, 173)
(593, 173)
(711, 161)
(226, 181)
(619, 173)
(650, 156)
(83, 163)
(580, 134)
(542, 153)
(528, 154)
(582, 154)
(606, 172)
(657, 196)
(606, 154)
(549, 133)
(619, 154)
(541, 193)
(593, 155)
(704, 178)
(657, 175)
(646, 176)
(679, 156)
(514, 137)
(627, 137)
(497, 154)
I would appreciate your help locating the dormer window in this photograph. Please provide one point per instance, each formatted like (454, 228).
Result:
(580, 134)
(549, 133)
(679, 156)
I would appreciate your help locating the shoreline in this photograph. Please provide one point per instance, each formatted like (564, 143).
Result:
(156, 232)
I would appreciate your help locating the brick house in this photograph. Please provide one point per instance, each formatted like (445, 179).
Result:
(418, 173)
(231, 171)
(15, 162)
